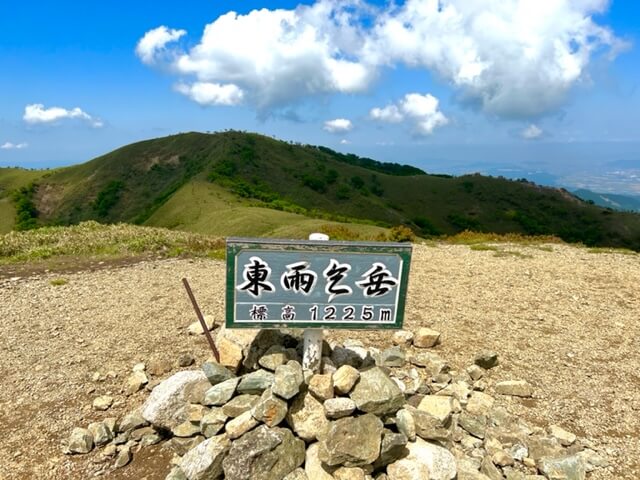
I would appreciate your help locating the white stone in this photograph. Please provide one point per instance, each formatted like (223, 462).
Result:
(425, 461)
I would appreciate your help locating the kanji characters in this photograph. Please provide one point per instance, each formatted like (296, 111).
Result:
(334, 274)
(377, 281)
(299, 278)
(259, 312)
(256, 274)
(288, 313)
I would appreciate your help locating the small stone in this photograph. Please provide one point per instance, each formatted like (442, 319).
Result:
(502, 459)
(110, 451)
(270, 409)
(186, 429)
(216, 373)
(486, 359)
(102, 402)
(306, 417)
(321, 386)
(424, 461)
(135, 382)
(100, 433)
(159, 367)
(230, 352)
(138, 433)
(131, 421)
(376, 393)
(489, 469)
(402, 338)
(335, 408)
(139, 367)
(255, 382)
(274, 357)
(406, 424)
(475, 372)
(123, 458)
(569, 467)
(194, 392)
(150, 439)
(196, 412)
(480, 403)
(241, 425)
(180, 446)
(205, 460)
(425, 338)
(80, 441)
(392, 448)
(240, 404)
(212, 422)
(287, 380)
(186, 360)
(349, 473)
(195, 328)
(344, 379)
(516, 388)
(429, 427)
(297, 474)
(475, 425)
(313, 467)
(221, 393)
(592, 460)
(565, 438)
(439, 407)
(432, 362)
(352, 441)
(391, 357)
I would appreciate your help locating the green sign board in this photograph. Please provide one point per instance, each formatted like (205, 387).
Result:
(316, 284)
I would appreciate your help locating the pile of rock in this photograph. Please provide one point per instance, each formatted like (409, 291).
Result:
(397, 414)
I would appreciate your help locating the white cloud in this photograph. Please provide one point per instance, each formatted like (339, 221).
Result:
(422, 110)
(390, 114)
(155, 41)
(37, 113)
(206, 93)
(13, 146)
(344, 141)
(338, 125)
(511, 58)
(532, 132)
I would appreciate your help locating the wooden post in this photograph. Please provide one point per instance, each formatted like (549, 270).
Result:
(312, 357)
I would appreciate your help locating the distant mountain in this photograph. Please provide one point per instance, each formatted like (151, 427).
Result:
(624, 203)
(234, 183)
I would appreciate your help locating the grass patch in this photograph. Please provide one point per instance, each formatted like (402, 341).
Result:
(481, 247)
(57, 282)
(511, 253)
(621, 251)
(473, 238)
(90, 239)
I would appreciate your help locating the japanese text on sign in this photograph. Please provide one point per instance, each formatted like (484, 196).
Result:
(326, 286)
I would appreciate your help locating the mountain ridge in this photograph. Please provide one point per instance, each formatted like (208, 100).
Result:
(137, 182)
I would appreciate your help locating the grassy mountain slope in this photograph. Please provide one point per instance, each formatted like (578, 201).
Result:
(12, 179)
(239, 183)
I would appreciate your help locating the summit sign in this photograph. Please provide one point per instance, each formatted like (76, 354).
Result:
(316, 284)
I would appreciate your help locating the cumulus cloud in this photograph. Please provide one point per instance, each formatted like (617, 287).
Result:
(206, 93)
(338, 125)
(37, 113)
(511, 58)
(532, 132)
(422, 110)
(13, 146)
(344, 141)
(155, 41)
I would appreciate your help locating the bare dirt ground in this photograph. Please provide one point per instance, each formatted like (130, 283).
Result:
(560, 317)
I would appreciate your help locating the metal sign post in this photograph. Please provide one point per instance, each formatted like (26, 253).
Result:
(314, 284)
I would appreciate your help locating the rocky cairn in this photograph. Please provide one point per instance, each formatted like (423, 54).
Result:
(397, 414)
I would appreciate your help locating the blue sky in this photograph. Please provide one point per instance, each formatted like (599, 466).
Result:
(547, 90)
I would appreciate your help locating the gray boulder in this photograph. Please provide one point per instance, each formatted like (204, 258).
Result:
(352, 441)
(166, 405)
(376, 393)
(264, 454)
(204, 462)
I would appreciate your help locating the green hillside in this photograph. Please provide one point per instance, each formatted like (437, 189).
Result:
(236, 183)
(12, 179)
(609, 200)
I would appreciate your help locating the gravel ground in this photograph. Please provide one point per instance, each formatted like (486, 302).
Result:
(560, 317)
